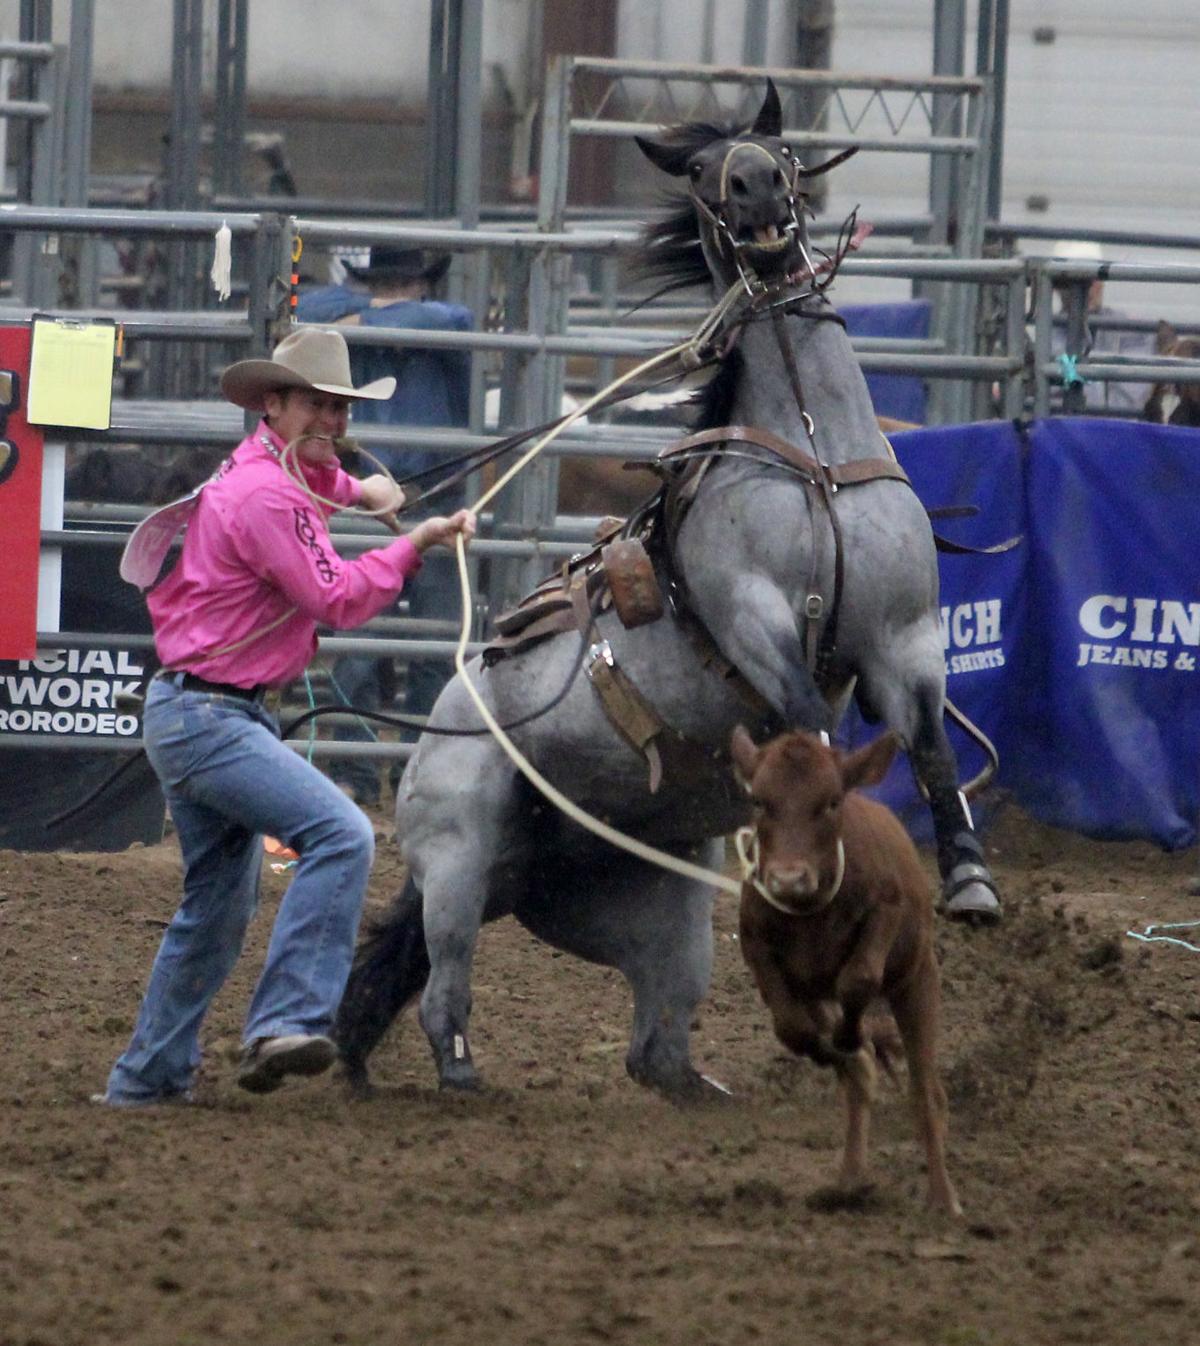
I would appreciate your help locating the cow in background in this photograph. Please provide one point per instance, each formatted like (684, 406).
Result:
(1174, 403)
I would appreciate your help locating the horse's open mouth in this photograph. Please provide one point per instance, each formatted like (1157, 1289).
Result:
(769, 237)
(768, 248)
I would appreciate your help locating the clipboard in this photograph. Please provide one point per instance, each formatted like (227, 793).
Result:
(71, 372)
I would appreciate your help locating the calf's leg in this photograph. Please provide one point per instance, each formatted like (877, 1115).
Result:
(917, 1007)
(858, 1079)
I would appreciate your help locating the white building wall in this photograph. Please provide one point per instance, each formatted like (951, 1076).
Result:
(1100, 120)
(297, 48)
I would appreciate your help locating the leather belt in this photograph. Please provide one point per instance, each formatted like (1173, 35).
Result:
(189, 682)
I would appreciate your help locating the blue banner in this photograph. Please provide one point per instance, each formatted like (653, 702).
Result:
(1110, 717)
(1077, 651)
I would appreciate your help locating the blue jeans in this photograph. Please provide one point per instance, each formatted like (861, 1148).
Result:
(228, 780)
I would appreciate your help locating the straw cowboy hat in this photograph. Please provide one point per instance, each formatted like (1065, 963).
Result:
(310, 357)
(386, 262)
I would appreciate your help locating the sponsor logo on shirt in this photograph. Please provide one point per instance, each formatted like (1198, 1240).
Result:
(308, 538)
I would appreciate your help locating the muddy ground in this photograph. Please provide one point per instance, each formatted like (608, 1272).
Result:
(565, 1204)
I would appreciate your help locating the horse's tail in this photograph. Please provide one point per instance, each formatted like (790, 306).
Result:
(390, 968)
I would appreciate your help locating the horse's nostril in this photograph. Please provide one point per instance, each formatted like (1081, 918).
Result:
(738, 183)
(779, 180)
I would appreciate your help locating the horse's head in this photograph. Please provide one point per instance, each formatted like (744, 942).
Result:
(744, 184)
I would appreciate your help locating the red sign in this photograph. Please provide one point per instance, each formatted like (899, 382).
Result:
(20, 500)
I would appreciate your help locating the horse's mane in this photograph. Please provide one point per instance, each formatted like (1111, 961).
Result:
(670, 250)
(713, 402)
(670, 247)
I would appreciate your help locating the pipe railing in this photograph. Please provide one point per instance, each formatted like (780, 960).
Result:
(545, 542)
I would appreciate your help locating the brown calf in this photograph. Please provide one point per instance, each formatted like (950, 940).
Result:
(836, 911)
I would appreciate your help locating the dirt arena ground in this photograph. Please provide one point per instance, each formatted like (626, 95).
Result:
(565, 1204)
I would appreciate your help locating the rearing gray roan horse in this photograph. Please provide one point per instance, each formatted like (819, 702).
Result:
(768, 623)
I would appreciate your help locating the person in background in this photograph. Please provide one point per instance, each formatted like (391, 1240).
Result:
(394, 289)
(236, 616)
(1125, 399)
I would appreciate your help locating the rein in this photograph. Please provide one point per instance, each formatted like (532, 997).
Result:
(821, 630)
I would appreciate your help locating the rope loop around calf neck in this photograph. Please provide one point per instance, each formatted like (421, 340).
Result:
(746, 843)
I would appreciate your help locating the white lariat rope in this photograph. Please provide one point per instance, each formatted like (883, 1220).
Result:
(745, 842)
(586, 820)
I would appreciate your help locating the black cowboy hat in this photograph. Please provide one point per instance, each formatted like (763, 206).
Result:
(388, 262)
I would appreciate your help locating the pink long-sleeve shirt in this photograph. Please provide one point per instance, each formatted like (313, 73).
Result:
(257, 551)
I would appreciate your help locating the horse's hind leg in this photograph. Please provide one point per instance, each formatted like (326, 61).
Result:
(913, 708)
(655, 927)
(457, 902)
(390, 968)
(458, 811)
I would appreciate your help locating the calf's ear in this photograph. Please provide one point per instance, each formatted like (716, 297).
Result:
(745, 756)
(869, 765)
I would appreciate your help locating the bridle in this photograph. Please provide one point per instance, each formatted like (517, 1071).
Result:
(721, 234)
(821, 611)
(749, 853)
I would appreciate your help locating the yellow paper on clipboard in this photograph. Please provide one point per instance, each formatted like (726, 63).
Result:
(71, 372)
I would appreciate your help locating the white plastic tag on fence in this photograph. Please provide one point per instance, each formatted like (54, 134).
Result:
(222, 266)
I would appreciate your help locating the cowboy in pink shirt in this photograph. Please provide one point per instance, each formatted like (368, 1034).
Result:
(237, 614)
(258, 556)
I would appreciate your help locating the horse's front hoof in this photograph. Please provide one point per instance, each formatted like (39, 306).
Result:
(974, 903)
(461, 1077)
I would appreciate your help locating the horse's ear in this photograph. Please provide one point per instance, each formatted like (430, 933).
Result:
(869, 765)
(769, 121)
(745, 756)
(663, 154)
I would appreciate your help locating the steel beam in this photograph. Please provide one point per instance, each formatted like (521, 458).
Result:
(229, 130)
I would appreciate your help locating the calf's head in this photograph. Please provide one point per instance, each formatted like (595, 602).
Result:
(794, 852)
